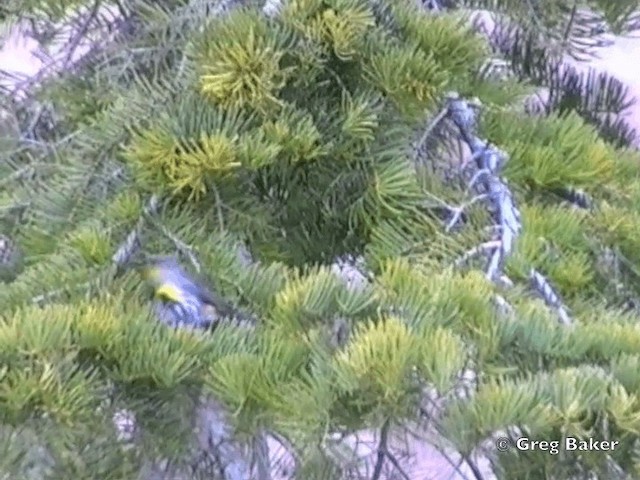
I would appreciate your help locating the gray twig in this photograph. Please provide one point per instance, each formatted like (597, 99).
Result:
(489, 161)
(131, 244)
(551, 298)
(384, 454)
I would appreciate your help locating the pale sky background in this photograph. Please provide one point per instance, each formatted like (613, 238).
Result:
(621, 59)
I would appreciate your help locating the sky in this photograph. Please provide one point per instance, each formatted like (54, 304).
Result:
(622, 60)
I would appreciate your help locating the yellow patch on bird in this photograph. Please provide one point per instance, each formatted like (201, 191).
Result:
(169, 293)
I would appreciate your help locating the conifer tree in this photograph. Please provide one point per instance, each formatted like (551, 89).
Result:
(425, 260)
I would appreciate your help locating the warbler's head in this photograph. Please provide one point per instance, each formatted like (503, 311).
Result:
(156, 269)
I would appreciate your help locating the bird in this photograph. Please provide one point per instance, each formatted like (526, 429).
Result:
(181, 301)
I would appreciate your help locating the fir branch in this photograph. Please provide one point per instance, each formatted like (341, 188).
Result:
(433, 124)
(489, 161)
(578, 197)
(289, 457)
(75, 40)
(132, 243)
(458, 211)
(598, 98)
(215, 436)
(542, 286)
(474, 468)
(181, 246)
(21, 174)
(443, 447)
(504, 308)
(220, 443)
(476, 251)
(384, 454)
(261, 456)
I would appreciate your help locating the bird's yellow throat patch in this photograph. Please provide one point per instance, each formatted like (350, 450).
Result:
(168, 293)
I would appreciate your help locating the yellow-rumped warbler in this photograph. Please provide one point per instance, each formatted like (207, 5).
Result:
(179, 299)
